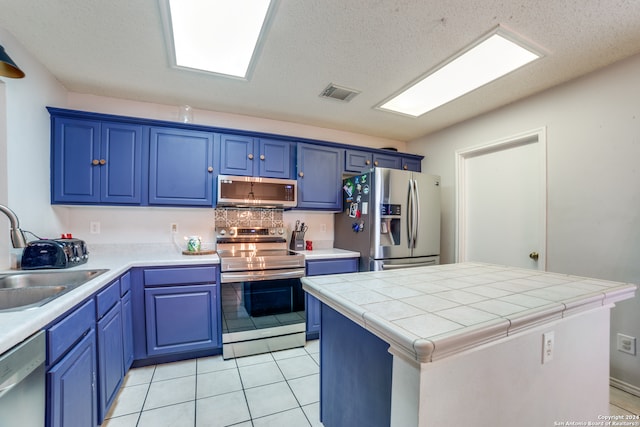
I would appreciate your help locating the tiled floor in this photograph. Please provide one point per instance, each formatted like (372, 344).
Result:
(279, 389)
(623, 403)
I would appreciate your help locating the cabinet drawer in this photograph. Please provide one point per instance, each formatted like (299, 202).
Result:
(65, 333)
(125, 283)
(107, 298)
(173, 276)
(332, 266)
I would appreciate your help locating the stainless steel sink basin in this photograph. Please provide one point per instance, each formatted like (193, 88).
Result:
(21, 291)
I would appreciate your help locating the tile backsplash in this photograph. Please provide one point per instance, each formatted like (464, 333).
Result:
(248, 217)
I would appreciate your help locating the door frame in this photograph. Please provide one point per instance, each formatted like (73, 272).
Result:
(537, 136)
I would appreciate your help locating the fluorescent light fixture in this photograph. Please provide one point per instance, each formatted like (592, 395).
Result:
(217, 36)
(494, 56)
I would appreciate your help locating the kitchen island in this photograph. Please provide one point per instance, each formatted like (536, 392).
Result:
(464, 344)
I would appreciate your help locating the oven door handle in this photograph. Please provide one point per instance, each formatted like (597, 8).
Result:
(254, 276)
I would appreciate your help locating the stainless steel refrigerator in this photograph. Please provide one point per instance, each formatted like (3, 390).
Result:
(392, 217)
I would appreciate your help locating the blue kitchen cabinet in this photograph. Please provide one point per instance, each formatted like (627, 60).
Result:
(181, 167)
(181, 310)
(72, 399)
(318, 268)
(96, 162)
(236, 155)
(319, 177)
(387, 161)
(110, 346)
(411, 164)
(357, 161)
(127, 320)
(248, 156)
(72, 390)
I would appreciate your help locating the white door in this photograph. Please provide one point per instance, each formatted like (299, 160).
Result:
(501, 190)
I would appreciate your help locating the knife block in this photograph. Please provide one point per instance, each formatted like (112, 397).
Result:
(297, 241)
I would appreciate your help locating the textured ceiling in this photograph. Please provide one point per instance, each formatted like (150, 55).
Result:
(117, 48)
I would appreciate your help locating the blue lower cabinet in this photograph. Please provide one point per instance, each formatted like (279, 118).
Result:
(72, 396)
(181, 319)
(318, 268)
(127, 330)
(110, 358)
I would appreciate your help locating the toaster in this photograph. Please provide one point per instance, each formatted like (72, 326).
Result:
(54, 253)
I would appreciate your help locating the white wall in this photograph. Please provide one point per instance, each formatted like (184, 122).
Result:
(593, 179)
(25, 142)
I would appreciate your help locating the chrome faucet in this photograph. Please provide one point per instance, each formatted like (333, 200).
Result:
(18, 240)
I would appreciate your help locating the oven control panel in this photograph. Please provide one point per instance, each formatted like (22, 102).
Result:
(251, 233)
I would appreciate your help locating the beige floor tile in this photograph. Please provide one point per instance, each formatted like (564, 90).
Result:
(180, 415)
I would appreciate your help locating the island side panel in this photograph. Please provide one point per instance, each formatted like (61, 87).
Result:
(355, 374)
(506, 383)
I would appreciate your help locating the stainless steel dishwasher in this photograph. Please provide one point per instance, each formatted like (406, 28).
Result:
(22, 384)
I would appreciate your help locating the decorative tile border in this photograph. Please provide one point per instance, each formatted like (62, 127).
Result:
(248, 217)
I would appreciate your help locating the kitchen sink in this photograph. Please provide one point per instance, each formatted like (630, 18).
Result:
(22, 291)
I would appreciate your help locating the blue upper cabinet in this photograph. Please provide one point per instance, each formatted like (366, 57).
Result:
(319, 177)
(275, 159)
(411, 164)
(236, 155)
(357, 161)
(96, 162)
(248, 156)
(387, 161)
(181, 167)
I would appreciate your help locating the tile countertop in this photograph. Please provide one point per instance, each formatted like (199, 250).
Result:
(331, 253)
(428, 313)
(16, 326)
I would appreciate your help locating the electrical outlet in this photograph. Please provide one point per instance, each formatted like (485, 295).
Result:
(626, 344)
(548, 347)
(94, 227)
(174, 227)
(323, 228)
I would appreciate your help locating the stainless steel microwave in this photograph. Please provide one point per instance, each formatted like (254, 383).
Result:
(255, 191)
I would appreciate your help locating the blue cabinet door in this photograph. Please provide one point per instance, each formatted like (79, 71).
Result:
(110, 359)
(247, 156)
(72, 397)
(181, 318)
(357, 161)
(181, 167)
(319, 177)
(96, 162)
(121, 173)
(127, 331)
(318, 268)
(237, 156)
(275, 159)
(410, 164)
(382, 161)
(75, 146)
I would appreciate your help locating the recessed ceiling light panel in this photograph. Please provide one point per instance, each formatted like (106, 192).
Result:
(494, 56)
(217, 36)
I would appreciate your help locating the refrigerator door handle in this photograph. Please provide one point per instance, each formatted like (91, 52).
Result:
(410, 207)
(416, 216)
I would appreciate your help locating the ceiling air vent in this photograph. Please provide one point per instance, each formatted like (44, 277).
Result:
(338, 92)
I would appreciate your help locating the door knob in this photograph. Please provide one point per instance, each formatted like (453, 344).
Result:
(534, 256)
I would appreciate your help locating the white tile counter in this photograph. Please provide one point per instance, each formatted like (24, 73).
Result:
(331, 253)
(467, 336)
(15, 326)
(433, 312)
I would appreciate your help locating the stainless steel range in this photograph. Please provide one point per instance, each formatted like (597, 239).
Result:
(261, 294)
